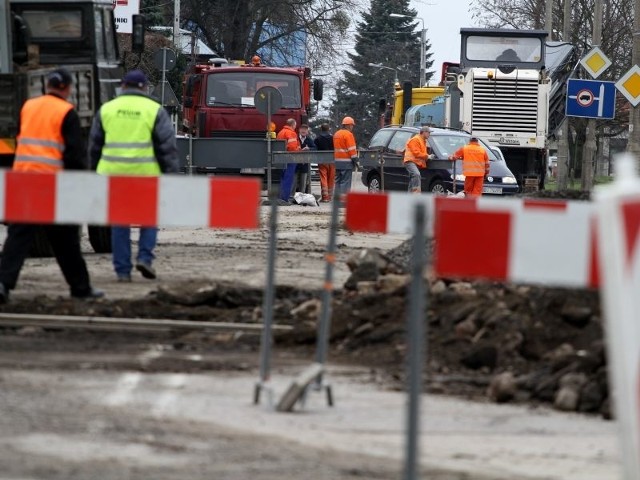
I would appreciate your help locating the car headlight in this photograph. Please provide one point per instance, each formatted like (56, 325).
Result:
(511, 180)
(459, 177)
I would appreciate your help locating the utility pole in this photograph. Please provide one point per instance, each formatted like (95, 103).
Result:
(6, 58)
(563, 141)
(548, 18)
(633, 145)
(590, 145)
(176, 25)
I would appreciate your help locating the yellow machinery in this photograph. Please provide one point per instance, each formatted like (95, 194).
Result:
(419, 96)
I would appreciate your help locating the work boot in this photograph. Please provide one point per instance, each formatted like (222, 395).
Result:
(146, 270)
(124, 278)
(91, 294)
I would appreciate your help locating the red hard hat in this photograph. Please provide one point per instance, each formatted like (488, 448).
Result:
(348, 121)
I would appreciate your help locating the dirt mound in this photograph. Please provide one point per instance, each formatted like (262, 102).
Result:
(509, 342)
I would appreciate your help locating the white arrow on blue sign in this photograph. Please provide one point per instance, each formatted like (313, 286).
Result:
(591, 99)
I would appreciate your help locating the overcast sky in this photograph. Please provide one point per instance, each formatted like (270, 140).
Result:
(443, 20)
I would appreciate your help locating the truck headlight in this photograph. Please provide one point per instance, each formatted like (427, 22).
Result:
(510, 180)
(459, 177)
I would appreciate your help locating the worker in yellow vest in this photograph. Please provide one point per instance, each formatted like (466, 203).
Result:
(133, 135)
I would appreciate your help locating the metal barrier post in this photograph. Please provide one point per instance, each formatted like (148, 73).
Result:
(416, 341)
(324, 322)
(190, 156)
(381, 160)
(455, 182)
(267, 308)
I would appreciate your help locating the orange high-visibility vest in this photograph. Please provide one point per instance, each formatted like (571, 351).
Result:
(475, 161)
(416, 151)
(40, 142)
(290, 137)
(344, 146)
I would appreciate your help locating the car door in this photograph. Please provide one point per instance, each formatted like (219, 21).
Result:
(395, 175)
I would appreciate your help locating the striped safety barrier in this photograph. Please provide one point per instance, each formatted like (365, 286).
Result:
(75, 197)
(508, 239)
(569, 244)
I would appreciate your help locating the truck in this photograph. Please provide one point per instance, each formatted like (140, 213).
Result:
(509, 93)
(39, 36)
(509, 89)
(219, 104)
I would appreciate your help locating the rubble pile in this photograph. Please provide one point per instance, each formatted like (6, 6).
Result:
(508, 342)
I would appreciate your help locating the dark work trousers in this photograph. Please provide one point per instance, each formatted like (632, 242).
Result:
(65, 242)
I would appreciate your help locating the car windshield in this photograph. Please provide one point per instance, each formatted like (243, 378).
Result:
(447, 144)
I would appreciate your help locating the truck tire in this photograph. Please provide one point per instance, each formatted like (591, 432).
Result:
(100, 238)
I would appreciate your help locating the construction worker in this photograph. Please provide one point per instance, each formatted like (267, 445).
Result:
(345, 156)
(133, 135)
(50, 140)
(475, 166)
(327, 171)
(292, 144)
(416, 156)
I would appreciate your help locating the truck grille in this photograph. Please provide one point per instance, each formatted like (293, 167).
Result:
(505, 105)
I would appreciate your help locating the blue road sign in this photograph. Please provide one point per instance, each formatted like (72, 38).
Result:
(591, 99)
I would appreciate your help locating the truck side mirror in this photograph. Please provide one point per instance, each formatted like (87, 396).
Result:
(137, 36)
(317, 89)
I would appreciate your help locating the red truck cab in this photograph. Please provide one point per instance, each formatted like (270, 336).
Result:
(218, 98)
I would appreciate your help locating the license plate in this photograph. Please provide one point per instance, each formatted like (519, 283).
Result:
(493, 190)
(252, 171)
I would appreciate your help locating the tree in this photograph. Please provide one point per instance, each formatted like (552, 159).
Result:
(238, 29)
(388, 41)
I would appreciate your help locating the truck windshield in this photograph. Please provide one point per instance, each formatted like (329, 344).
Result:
(503, 49)
(239, 88)
(54, 24)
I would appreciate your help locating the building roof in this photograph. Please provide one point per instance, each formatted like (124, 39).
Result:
(184, 41)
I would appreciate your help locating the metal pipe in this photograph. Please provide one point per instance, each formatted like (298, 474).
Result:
(89, 322)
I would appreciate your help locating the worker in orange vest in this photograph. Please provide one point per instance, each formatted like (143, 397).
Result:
(416, 156)
(475, 166)
(345, 156)
(49, 141)
(292, 144)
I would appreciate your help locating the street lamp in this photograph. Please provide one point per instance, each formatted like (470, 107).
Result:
(423, 44)
(395, 71)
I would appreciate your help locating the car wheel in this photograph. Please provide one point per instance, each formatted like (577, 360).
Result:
(437, 188)
(374, 183)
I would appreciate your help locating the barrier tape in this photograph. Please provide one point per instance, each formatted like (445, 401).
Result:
(169, 200)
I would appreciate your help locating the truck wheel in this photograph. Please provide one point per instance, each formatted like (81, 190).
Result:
(40, 246)
(437, 188)
(374, 183)
(100, 238)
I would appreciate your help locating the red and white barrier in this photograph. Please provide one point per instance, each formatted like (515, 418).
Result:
(515, 239)
(555, 243)
(169, 200)
(619, 236)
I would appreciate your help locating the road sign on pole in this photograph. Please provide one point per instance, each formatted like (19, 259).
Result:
(591, 99)
(595, 62)
(629, 85)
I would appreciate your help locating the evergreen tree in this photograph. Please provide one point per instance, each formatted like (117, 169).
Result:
(389, 41)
